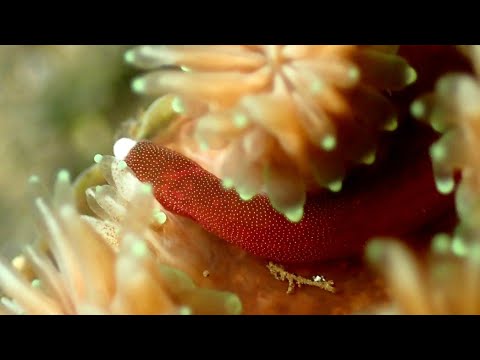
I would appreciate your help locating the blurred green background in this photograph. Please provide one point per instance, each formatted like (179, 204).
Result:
(59, 106)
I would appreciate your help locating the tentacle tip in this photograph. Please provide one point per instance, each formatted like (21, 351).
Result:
(36, 283)
(329, 143)
(129, 56)
(122, 165)
(459, 247)
(417, 109)
(240, 121)
(233, 305)
(203, 146)
(438, 124)
(67, 211)
(34, 179)
(177, 105)
(185, 310)
(438, 152)
(369, 158)
(391, 124)
(354, 73)
(139, 85)
(160, 216)
(410, 75)
(374, 251)
(19, 262)
(139, 249)
(98, 158)
(294, 215)
(335, 186)
(146, 188)
(441, 243)
(245, 195)
(63, 176)
(317, 86)
(445, 185)
(227, 183)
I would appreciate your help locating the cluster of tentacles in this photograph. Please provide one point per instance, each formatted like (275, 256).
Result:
(266, 147)
(446, 281)
(298, 117)
(119, 262)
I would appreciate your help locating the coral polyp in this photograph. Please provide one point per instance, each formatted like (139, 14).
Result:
(430, 285)
(107, 265)
(257, 179)
(298, 116)
(433, 286)
(453, 109)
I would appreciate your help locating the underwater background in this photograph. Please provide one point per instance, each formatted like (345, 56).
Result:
(59, 106)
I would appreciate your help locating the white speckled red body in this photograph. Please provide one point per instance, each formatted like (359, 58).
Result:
(334, 224)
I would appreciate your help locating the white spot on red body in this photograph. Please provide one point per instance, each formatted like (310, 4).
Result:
(122, 147)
